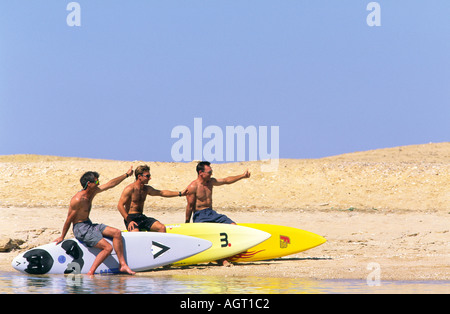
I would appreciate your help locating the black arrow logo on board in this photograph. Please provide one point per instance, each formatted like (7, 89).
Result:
(158, 249)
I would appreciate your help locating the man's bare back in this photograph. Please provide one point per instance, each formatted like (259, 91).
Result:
(81, 203)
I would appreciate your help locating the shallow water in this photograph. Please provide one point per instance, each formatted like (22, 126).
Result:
(14, 282)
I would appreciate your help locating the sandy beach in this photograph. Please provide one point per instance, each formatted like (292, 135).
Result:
(388, 206)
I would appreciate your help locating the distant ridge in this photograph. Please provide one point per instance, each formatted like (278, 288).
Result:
(42, 158)
(432, 152)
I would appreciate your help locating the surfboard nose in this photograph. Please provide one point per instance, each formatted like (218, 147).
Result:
(18, 263)
(314, 239)
(260, 234)
(320, 240)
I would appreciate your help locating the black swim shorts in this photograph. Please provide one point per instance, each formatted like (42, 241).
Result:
(144, 223)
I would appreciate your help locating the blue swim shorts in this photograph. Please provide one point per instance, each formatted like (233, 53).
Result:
(210, 215)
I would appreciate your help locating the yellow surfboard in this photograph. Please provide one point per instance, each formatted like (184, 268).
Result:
(227, 240)
(283, 241)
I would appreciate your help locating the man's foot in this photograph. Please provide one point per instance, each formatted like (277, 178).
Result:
(224, 262)
(127, 270)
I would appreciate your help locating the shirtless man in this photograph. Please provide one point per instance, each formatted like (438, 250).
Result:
(92, 234)
(131, 203)
(199, 195)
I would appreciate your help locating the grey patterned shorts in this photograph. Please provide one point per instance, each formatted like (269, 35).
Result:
(88, 233)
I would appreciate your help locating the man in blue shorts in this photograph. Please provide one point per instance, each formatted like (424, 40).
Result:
(199, 195)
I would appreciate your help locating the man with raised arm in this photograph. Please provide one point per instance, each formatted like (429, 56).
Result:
(131, 203)
(199, 195)
(92, 235)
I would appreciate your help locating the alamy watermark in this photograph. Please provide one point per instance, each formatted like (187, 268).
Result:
(374, 17)
(234, 143)
(374, 277)
(74, 17)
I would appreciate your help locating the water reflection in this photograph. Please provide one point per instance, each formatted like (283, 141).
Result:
(245, 285)
(12, 282)
(81, 284)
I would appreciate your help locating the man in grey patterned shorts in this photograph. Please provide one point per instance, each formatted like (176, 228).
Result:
(92, 234)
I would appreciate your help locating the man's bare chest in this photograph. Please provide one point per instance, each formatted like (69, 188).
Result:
(139, 195)
(204, 192)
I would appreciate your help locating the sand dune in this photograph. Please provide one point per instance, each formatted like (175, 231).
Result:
(401, 178)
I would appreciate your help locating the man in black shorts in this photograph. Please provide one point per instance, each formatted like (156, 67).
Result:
(131, 203)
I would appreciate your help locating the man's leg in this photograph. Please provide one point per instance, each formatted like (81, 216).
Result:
(118, 247)
(158, 227)
(106, 250)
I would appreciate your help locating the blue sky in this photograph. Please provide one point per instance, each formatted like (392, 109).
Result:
(117, 86)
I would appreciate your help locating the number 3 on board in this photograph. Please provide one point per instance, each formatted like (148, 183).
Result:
(224, 239)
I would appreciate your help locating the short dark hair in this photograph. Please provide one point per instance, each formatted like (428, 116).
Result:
(140, 170)
(88, 177)
(201, 166)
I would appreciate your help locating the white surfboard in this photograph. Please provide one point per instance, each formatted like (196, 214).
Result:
(142, 251)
